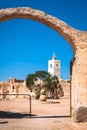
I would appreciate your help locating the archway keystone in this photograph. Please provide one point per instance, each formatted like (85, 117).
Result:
(78, 41)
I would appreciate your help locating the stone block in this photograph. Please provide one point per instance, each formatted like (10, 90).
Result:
(80, 114)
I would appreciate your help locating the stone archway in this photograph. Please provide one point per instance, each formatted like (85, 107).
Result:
(78, 41)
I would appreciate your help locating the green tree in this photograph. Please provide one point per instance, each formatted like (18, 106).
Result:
(52, 85)
(30, 81)
(46, 81)
(31, 78)
(42, 76)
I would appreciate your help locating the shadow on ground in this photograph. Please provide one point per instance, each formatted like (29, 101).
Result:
(65, 116)
(3, 122)
(8, 114)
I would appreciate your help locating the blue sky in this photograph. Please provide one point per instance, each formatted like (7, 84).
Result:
(27, 45)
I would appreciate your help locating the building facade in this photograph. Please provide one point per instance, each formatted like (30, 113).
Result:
(13, 86)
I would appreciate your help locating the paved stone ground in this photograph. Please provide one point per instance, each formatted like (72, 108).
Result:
(49, 115)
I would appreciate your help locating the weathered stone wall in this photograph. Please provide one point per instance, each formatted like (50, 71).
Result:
(78, 41)
(79, 83)
(13, 86)
(66, 88)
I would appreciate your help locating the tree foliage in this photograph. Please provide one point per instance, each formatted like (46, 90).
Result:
(42, 75)
(31, 78)
(52, 84)
(47, 81)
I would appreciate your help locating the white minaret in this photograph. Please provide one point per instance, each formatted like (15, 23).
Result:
(54, 66)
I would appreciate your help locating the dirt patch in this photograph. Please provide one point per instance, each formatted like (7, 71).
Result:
(49, 115)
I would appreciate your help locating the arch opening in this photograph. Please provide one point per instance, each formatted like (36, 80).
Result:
(36, 38)
(15, 22)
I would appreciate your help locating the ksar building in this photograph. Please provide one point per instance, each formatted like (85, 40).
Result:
(13, 86)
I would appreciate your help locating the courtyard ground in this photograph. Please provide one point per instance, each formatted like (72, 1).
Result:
(49, 115)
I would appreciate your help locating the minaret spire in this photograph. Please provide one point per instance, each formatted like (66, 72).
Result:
(54, 56)
(54, 66)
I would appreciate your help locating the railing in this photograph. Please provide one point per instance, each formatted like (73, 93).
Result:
(18, 95)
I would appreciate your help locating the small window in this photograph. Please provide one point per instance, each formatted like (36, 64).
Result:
(50, 65)
(13, 88)
(57, 65)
